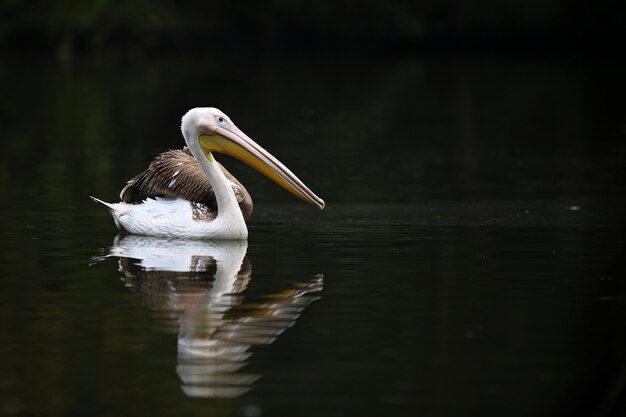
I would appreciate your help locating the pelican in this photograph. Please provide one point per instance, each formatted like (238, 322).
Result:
(187, 194)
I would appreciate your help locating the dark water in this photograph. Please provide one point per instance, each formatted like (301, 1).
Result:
(469, 261)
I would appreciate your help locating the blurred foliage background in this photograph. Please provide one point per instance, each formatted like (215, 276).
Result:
(342, 74)
(67, 27)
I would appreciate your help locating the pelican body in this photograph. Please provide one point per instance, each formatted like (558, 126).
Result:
(187, 194)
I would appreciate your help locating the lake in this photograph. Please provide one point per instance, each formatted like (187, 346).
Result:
(469, 260)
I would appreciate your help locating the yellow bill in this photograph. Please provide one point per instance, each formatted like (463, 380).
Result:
(234, 142)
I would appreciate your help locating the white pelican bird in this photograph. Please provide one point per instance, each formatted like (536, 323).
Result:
(187, 194)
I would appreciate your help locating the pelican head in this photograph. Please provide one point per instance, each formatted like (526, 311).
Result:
(212, 131)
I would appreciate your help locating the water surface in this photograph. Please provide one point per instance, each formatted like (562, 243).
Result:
(468, 261)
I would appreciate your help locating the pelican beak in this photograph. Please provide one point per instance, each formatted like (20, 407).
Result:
(234, 142)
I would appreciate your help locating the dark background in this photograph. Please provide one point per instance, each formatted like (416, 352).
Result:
(480, 88)
(368, 28)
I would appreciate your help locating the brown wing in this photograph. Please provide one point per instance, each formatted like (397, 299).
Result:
(176, 173)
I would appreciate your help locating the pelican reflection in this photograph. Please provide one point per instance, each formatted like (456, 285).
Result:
(198, 289)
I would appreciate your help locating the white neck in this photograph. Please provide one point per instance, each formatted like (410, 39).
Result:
(224, 195)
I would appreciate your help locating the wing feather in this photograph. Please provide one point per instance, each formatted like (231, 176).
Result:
(175, 173)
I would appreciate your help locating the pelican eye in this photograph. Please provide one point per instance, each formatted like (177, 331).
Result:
(221, 119)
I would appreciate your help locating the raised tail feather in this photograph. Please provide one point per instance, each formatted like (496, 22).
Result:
(115, 210)
(104, 203)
